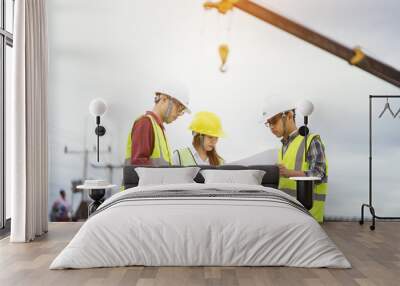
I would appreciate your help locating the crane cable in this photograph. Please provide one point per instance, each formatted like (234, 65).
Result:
(223, 7)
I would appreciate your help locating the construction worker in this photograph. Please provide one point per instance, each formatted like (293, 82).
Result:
(280, 117)
(206, 130)
(147, 142)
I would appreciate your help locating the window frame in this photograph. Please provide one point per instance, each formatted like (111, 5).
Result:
(6, 39)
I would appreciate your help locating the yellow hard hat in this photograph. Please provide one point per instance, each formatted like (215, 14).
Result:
(207, 123)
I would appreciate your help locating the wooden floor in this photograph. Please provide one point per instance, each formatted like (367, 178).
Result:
(375, 257)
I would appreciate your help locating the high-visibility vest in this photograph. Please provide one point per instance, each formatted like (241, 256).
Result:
(294, 159)
(161, 155)
(186, 157)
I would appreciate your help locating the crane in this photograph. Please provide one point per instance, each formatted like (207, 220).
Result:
(355, 56)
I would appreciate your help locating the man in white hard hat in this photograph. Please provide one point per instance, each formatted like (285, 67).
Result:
(147, 142)
(279, 117)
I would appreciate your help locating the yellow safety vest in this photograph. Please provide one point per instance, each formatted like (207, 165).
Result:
(294, 159)
(186, 157)
(161, 155)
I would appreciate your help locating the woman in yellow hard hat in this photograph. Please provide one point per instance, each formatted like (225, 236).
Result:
(206, 128)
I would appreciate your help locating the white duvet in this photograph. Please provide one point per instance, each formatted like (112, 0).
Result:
(200, 231)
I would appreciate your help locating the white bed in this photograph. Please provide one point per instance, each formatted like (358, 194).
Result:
(264, 229)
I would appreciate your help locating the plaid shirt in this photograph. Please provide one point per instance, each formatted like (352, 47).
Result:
(315, 157)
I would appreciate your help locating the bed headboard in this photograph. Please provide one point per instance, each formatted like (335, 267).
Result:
(270, 179)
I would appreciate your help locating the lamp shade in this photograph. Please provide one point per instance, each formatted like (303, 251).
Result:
(305, 107)
(97, 107)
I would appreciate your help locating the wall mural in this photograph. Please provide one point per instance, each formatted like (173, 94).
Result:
(118, 53)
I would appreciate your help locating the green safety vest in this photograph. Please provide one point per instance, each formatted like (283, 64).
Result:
(294, 159)
(161, 155)
(186, 157)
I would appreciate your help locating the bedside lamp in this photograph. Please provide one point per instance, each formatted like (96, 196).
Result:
(305, 185)
(306, 108)
(97, 108)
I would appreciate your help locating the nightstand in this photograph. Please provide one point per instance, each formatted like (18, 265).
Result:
(97, 190)
(304, 190)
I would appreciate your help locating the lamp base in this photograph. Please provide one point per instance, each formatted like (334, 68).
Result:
(304, 131)
(97, 195)
(304, 193)
(100, 130)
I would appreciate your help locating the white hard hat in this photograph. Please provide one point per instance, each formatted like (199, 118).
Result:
(276, 104)
(178, 91)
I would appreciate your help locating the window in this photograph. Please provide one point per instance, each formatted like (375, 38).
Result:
(6, 44)
(9, 19)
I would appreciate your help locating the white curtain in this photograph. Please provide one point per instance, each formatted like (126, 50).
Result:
(28, 121)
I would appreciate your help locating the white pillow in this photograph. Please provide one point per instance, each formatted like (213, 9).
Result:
(248, 177)
(166, 176)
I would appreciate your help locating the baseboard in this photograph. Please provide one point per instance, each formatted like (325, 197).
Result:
(5, 231)
(352, 219)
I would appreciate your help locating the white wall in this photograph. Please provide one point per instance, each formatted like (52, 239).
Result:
(119, 49)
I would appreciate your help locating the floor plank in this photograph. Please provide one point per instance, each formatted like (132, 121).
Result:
(375, 257)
